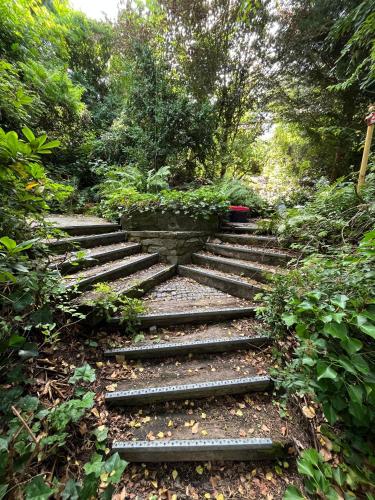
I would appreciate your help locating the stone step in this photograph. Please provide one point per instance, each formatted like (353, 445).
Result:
(95, 240)
(98, 255)
(245, 239)
(262, 255)
(240, 227)
(165, 349)
(255, 271)
(89, 228)
(111, 271)
(194, 316)
(136, 284)
(192, 450)
(236, 286)
(159, 394)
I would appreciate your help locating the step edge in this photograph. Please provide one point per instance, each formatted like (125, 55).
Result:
(212, 274)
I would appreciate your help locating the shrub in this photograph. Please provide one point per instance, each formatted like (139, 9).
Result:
(329, 303)
(199, 203)
(238, 193)
(335, 215)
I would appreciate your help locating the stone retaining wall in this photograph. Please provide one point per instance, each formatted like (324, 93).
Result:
(174, 247)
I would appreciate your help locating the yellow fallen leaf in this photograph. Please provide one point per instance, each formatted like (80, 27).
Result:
(199, 469)
(207, 495)
(204, 432)
(308, 411)
(239, 413)
(111, 387)
(170, 423)
(220, 496)
(174, 474)
(154, 484)
(269, 476)
(195, 428)
(146, 419)
(99, 364)
(203, 415)
(160, 435)
(174, 496)
(95, 412)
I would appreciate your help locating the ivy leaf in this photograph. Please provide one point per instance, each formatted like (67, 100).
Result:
(325, 371)
(101, 433)
(355, 393)
(289, 319)
(369, 329)
(71, 490)
(84, 373)
(38, 490)
(115, 466)
(292, 493)
(340, 301)
(336, 330)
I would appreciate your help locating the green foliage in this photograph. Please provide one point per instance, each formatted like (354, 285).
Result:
(199, 203)
(329, 303)
(22, 447)
(109, 304)
(334, 215)
(238, 193)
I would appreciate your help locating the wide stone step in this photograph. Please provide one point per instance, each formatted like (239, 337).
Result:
(95, 240)
(88, 228)
(257, 272)
(218, 345)
(192, 450)
(256, 240)
(145, 396)
(264, 256)
(194, 316)
(240, 227)
(111, 271)
(95, 257)
(236, 286)
(136, 284)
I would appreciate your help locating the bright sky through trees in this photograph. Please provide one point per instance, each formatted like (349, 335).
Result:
(97, 9)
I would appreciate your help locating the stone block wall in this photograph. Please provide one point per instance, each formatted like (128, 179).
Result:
(174, 247)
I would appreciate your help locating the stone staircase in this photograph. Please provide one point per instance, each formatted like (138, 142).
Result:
(203, 391)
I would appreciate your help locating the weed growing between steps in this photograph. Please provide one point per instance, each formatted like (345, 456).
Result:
(109, 304)
(329, 303)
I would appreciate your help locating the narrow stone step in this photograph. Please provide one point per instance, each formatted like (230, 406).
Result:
(100, 256)
(88, 229)
(95, 240)
(256, 240)
(192, 450)
(257, 272)
(111, 271)
(238, 287)
(241, 227)
(194, 316)
(151, 395)
(136, 284)
(264, 256)
(218, 345)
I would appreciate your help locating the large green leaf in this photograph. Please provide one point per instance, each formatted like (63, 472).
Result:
(38, 490)
(336, 330)
(369, 329)
(292, 493)
(325, 371)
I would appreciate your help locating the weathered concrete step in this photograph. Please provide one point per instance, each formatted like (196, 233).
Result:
(115, 271)
(242, 239)
(275, 258)
(150, 351)
(195, 316)
(192, 450)
(151, 395)
(234, 286)
(74, 265)
(95, 240)
(85, 229)
(238, 267)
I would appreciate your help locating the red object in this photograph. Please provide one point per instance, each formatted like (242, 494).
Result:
(239, 208)
(370, 119)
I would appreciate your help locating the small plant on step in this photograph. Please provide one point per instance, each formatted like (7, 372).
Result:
(108, 303)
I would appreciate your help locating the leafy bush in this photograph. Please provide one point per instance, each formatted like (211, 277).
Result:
(199, 203)
(238, 193)
(335, 215)
(330, 304)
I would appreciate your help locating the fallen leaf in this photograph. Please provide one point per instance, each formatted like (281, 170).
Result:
(111, 387)
(204, 432)
(174, 474)
(203, 415)
(239, 413)
(160, 435)
(265, 428)
(195, 428)
(269, 476)
(308, 411)
(199, 470)
(170, 423)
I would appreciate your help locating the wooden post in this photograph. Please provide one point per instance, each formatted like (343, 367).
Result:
(370, 119)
